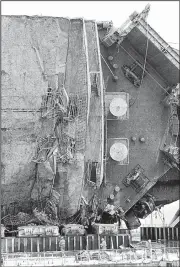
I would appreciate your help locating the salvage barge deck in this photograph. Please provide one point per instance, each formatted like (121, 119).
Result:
(92, 258)
(84, 251)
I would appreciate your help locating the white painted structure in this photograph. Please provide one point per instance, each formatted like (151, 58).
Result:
(38, 230)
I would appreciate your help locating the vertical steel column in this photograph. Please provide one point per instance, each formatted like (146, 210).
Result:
(31, 246)
(159, 233)
(74, 240)
(6, 246)
(92, 242)
(168, 237)
(128, 239)
(37, 244)
(116, 241)
(164, 234)
(142, 232)
(111, 240)
(156, 237)
(50, 241)
(13, 244)
(44, 249)
(25, 244)
(98, 241)
(123, 240)
(177, 237)
(147, 234)
(80, 240)
(19, 241)
(56, 243)
(87, 242)
(173, 235)
(151, 233)
(106, 239)
(68, 242)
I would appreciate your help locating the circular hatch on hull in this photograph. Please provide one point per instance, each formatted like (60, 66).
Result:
(118, 152)
(118, 107)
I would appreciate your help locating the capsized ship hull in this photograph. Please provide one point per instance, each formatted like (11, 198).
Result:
(86, 125)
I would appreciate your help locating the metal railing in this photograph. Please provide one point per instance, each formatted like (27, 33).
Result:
(163, 233)
(43, 244)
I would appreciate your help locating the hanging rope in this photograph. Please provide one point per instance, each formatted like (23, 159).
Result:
(108, 66)
(144, 66)
(145, 60)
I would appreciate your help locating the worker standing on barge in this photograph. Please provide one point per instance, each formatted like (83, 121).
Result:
(62, 244)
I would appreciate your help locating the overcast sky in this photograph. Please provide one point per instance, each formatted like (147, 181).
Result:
(163, 16)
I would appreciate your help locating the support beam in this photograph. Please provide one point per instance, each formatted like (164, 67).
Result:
(170, 53)
(175, 222)
(118, 34)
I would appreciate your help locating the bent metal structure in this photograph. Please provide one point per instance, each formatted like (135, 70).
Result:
(89, 121)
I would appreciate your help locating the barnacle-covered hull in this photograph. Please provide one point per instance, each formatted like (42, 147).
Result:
(48, 112)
